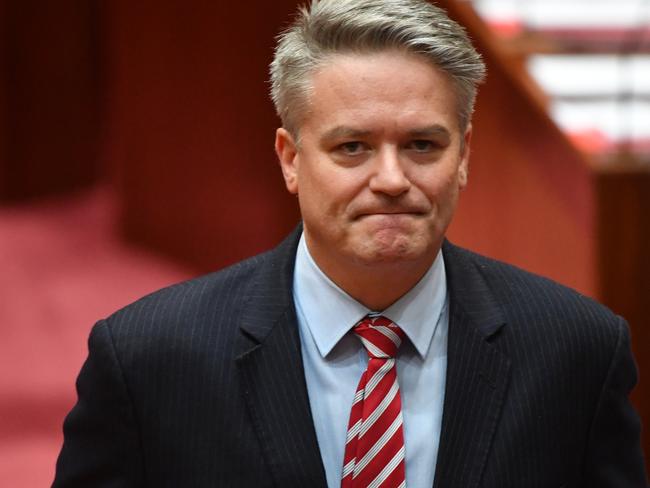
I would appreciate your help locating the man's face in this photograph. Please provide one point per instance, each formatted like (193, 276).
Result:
(380, 162)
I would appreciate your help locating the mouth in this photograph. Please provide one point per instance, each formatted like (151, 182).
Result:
(390, 213)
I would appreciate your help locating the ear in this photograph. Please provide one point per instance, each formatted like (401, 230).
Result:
(463, 167)
(287, 151)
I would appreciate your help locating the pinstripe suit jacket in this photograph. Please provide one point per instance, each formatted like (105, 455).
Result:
(202, 385)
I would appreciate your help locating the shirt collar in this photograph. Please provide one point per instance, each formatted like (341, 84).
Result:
(417, 312)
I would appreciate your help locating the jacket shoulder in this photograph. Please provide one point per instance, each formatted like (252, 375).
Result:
(527, 295)
(183, 305)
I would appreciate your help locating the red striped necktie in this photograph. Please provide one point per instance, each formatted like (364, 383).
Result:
(374, 450)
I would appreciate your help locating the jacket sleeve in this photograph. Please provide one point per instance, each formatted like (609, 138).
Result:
(614, 458)
(101, 446)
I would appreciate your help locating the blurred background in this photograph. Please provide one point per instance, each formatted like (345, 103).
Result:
(136, 150)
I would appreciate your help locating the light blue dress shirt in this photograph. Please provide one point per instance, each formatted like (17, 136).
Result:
(335, 359)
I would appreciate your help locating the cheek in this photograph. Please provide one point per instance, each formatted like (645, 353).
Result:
(435, 187)
(317, 196)
(442, 192)
(332, 189)
(447, 181)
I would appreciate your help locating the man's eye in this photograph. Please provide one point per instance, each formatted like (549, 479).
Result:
(421, 145)
(351, 148)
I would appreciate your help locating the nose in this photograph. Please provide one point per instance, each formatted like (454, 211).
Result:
(388, 173)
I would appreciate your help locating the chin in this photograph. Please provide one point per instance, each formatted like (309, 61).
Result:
(393, 251)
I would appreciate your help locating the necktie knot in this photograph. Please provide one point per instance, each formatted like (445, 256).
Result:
(380, 336)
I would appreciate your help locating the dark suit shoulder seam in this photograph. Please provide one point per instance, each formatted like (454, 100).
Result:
(127, 392)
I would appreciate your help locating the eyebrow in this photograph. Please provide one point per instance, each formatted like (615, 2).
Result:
(435, 130)
(342, 131)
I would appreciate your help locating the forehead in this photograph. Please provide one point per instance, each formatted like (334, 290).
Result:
(385, 88)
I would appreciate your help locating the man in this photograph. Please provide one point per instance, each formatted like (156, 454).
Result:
(364, 350)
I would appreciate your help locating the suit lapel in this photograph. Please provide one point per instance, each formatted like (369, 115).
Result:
(477, 374)
(269, 361)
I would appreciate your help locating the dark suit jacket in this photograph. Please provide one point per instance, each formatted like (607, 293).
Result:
(202, 385)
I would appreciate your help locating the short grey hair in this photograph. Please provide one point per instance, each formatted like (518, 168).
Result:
(329, 27)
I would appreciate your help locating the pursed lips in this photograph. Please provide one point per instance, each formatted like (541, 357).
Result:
(392, 212)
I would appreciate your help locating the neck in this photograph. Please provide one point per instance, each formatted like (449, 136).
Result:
(378, 285)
